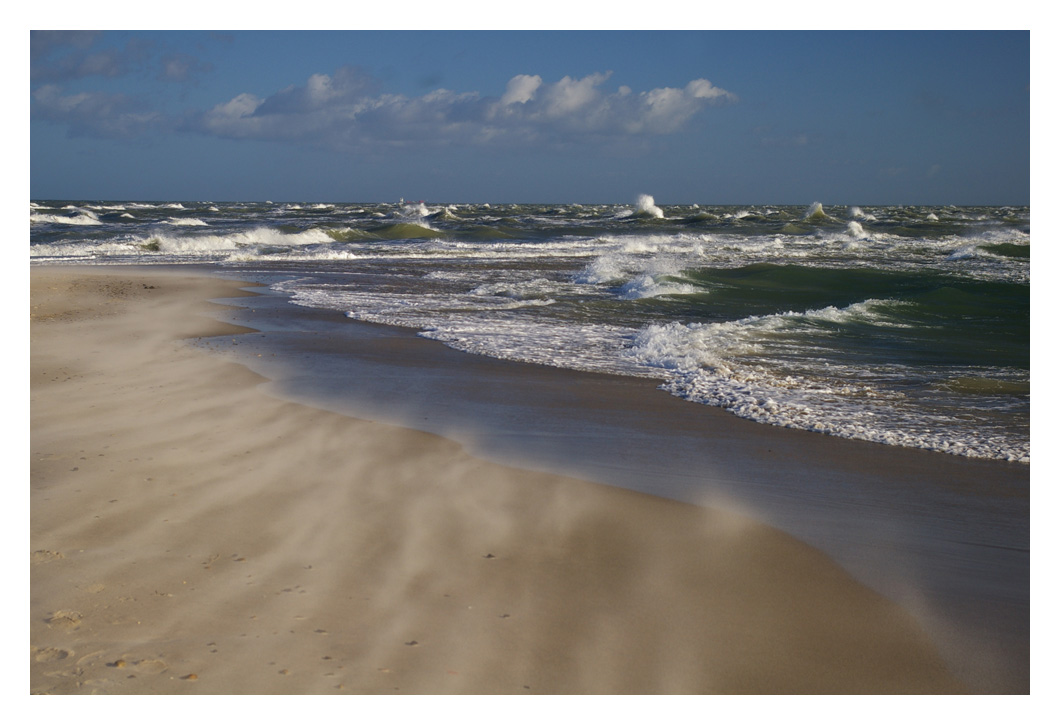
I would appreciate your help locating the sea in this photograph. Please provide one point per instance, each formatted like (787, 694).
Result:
(902, 325)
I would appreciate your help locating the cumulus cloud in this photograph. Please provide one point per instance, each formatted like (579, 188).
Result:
(574, 97)
(520, 89)
(342, 92)
(347, 109)
(665, 110)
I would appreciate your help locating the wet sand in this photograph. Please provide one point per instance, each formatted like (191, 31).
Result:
(191, 533)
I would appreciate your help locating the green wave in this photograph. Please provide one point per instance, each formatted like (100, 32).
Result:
(404, 230)
(480, 233)
(348, 235)
(1005, 249)
(928, 316)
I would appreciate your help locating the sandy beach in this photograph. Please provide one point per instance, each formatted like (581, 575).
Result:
(192, 534)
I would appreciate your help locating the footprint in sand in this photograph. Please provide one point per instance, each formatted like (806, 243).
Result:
(65, 618)
(152, 665)
(44, 555)
(49, 654)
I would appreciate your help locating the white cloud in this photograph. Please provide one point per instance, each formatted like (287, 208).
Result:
(230, 118)
(345, 110)
(702, 88)
(521, 89)
(570, 96)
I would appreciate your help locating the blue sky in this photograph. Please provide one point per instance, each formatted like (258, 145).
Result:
(710, 117)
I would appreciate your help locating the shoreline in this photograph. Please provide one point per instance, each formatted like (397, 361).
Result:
(269, 494)
(945, 536)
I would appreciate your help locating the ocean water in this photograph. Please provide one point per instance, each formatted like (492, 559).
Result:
(907, 326)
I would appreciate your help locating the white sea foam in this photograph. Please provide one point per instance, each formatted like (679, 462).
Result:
(307, 253)
(622, 260)
(172, 221)
(816, 212)
(876, 312)
(646, 207)
(645, 286)
(111, 249)
(521, 289)
(856, 230)
(684, 348)
(717, 347)
(579, 347)
(703, 363)
(82, 218)
(144, 205)
(244, 245)
(418, 210)
(966, 251)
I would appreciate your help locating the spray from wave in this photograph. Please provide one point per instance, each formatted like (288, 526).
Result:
(646, 207)
(816, 213)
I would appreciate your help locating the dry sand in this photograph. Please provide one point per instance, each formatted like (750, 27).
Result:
(191, 534)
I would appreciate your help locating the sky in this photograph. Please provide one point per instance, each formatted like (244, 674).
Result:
(708, 117)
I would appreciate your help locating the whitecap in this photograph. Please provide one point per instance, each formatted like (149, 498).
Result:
(185, 222)
(646, 207)
(84, 218)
